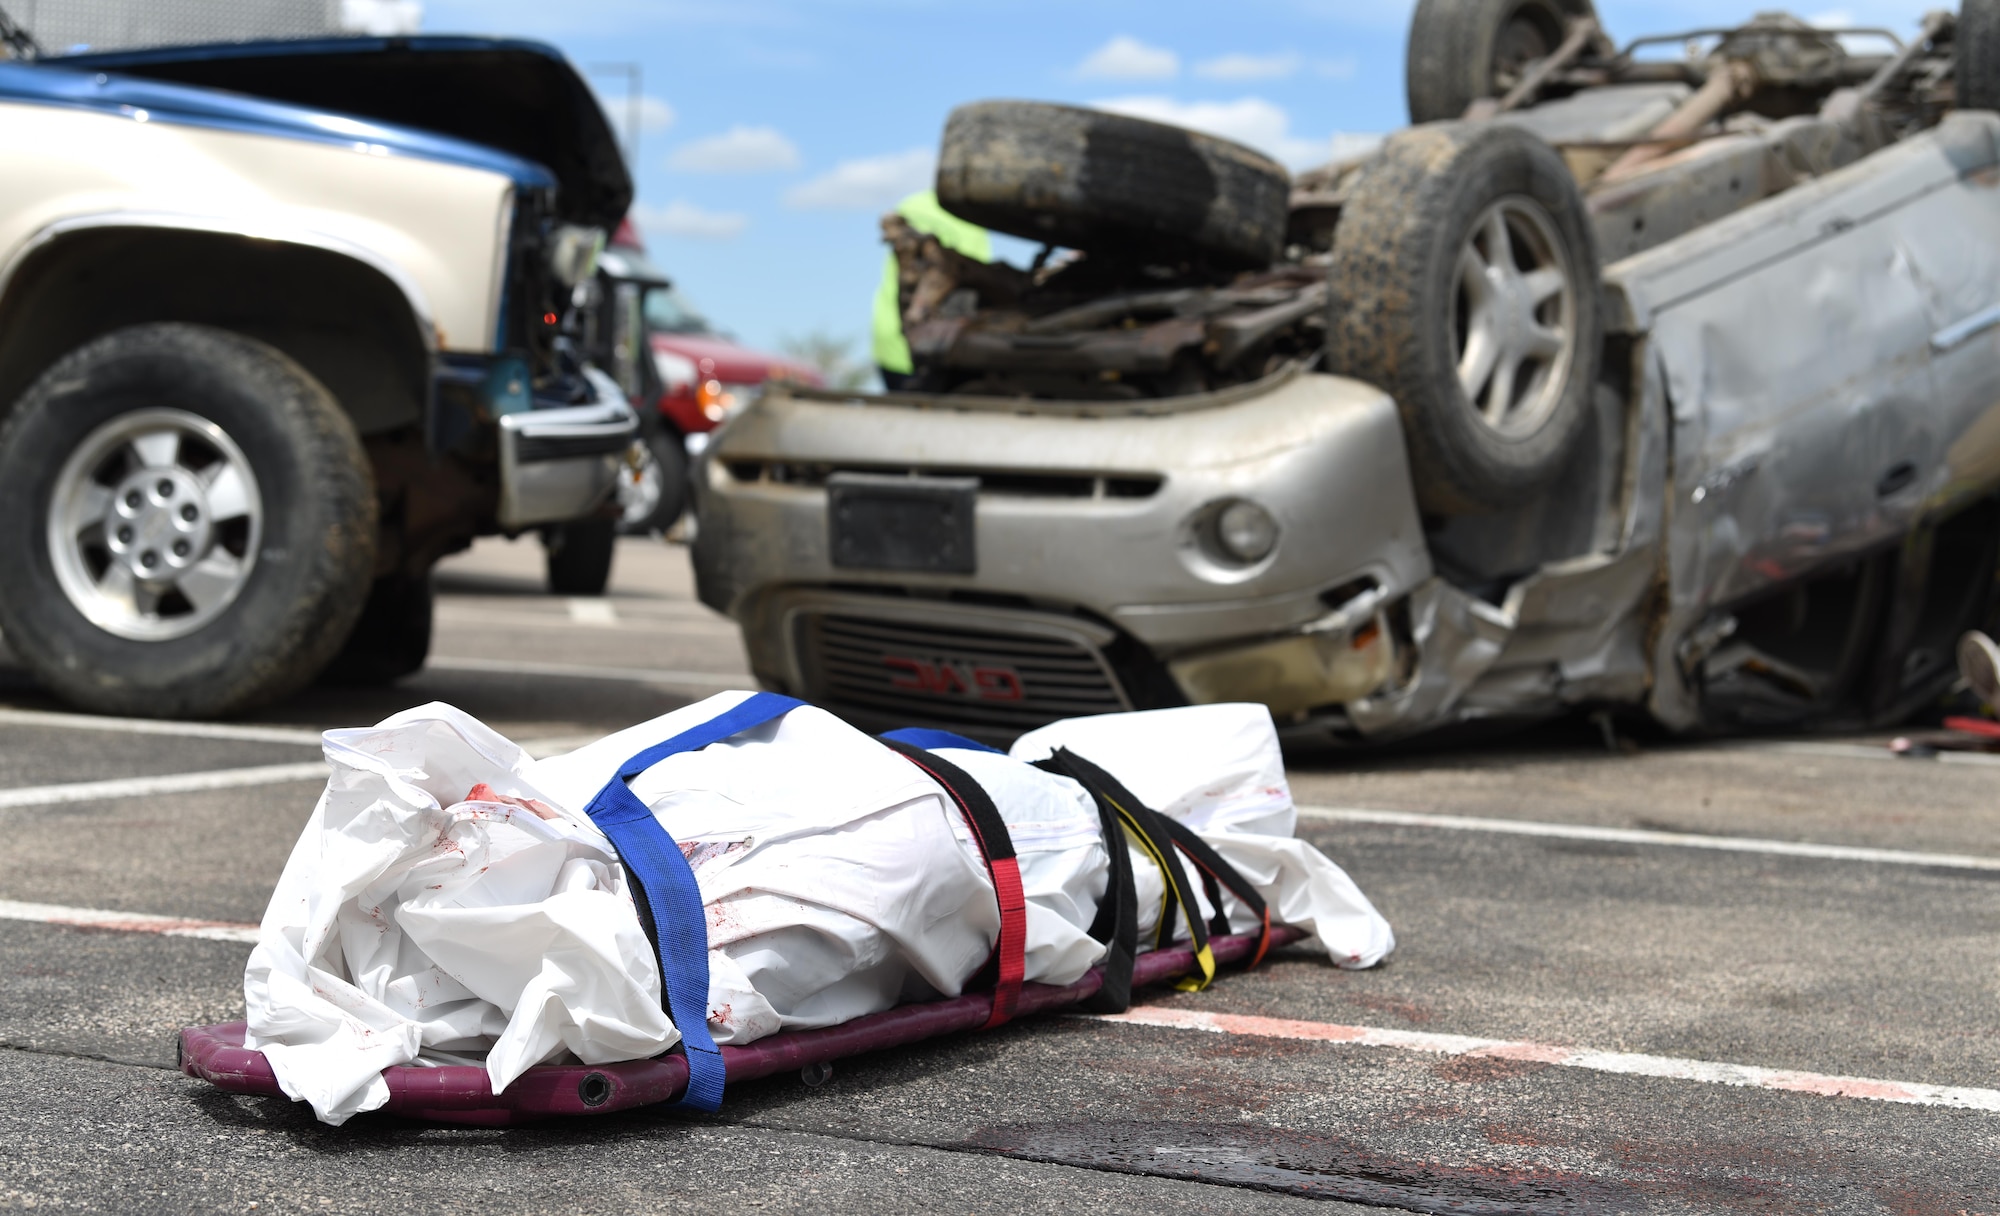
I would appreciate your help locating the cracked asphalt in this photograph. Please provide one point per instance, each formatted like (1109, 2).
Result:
(1812, 965)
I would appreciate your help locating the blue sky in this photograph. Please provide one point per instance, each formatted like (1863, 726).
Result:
(777, 131)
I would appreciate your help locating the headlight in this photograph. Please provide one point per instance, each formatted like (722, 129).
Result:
(719, 399)
(573, 253)
(1246, 532)
(677, 372)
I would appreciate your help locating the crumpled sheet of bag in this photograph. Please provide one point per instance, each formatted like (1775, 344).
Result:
(450, 902)
(1218, 769)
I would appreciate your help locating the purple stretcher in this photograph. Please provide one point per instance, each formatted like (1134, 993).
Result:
(459, 1094)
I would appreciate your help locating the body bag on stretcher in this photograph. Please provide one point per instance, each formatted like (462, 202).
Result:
(449, 903)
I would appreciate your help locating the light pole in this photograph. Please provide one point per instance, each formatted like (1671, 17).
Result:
(634, 105)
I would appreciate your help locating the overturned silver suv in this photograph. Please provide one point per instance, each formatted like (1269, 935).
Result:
(1667, 383)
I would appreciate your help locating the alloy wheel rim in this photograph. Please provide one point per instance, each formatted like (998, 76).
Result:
(154, 523)
(1515, 317)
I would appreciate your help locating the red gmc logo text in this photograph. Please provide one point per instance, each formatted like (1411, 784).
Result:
(946, 679)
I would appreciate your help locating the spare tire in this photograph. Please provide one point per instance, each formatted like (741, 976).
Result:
(1466, 286)
(1976, 55)
(1463, 50)
(1111, 184)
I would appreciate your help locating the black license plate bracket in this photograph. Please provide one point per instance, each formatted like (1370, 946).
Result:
(918, 525)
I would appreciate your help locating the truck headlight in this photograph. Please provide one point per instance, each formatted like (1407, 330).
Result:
(573, 253)
(1246, 532)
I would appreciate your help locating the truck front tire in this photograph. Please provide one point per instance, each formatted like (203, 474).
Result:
(393, 637)
(580, 554)
(187, 524)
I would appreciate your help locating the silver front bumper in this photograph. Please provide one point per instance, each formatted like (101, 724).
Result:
(1084, 530)
(562, 464)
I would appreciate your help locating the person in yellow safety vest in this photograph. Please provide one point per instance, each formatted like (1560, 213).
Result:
(924, 213)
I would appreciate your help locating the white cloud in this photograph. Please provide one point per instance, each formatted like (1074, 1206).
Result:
(869, 183)
(681, 218)
(1249, 67)
(654, 114)
(1342, 68)
(1249, 120)
(378, 18)
(737, 150)
(1127, 58)
(1349, 144)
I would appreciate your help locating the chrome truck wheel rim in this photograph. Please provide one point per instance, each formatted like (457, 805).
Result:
(639, 486)
(154, 524)
(1516, 317)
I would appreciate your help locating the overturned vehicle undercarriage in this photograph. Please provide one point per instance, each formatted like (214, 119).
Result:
(1665, 383)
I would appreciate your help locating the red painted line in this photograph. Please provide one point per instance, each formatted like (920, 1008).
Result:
(126, 922)
(1618, 1062)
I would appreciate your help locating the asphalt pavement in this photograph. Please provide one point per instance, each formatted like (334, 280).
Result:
(1657, 977)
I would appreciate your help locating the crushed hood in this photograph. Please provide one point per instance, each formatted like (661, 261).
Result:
(519, 97)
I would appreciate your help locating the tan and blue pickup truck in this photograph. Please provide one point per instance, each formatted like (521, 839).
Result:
(282, 324)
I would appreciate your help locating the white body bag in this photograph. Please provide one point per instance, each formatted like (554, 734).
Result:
(450, 901)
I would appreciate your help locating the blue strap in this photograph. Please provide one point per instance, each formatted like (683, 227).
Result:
(932, 740)
(656, 863)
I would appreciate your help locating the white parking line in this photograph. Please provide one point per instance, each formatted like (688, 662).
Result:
(1858, 751)
(127, 922)
(538, 748)
(714, 681)
(153, 726)
(627, 621)
(173, 783)
(592, 612)
(542, 749)
(1620, 1062)
(1679, 840)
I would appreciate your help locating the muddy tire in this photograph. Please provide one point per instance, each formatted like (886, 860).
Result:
(1112, 185)
(1977, 69)
(1463, 50)
(1466, 286)
(187, 524)
(391, 640)
(579, 555)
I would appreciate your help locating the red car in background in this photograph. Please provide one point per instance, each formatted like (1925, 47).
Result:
(695, 379)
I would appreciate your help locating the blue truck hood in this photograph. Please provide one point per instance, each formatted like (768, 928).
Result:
(501, 104)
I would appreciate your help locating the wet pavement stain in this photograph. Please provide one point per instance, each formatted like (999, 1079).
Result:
(1303, 1164)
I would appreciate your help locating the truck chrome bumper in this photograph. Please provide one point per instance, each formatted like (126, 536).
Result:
(561, 464)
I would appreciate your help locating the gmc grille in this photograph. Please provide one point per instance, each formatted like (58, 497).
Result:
(943, 673)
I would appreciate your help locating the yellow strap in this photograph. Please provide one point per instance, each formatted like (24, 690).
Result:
(1206, 958)
(1163, 933)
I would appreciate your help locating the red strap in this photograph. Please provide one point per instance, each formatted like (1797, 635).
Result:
(1263, 939)
(989, 831)
(1983, 727)
(1013, 944)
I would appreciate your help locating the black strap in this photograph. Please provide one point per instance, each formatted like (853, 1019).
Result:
(1216, 870)
(1155, 838)
(1117, 921)
(1003, 969)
